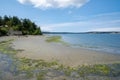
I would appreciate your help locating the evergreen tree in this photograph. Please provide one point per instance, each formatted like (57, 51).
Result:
(1, 21)
(26, 26)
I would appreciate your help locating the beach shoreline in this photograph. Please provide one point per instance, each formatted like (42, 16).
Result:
(36, 47)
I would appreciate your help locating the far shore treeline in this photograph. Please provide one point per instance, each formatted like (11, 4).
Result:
(16, 26)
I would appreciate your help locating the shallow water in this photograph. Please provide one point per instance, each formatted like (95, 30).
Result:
(100, 42)
(5, 65)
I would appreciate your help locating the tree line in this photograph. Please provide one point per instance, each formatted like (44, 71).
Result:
(26, 26)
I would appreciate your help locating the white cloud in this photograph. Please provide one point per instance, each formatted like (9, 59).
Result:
(43, 4)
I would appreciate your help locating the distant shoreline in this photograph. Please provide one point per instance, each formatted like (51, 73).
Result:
(94, 32)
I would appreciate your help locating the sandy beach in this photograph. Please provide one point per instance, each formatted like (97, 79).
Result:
(35, 47)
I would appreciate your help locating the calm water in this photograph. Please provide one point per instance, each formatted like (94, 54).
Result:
(101, 42)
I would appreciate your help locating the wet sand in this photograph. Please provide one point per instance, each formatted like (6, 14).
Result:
(35, 47)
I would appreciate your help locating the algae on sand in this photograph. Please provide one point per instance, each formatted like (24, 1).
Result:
(56, 39)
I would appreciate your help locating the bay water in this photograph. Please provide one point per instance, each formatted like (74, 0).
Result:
(100, 42)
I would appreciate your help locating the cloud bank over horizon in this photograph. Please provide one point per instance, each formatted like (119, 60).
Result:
(45, 4)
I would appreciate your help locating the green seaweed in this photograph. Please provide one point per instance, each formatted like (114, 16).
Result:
(5, 47)
(56, 39)
(67, 72)
(29, 74)
(40, 75)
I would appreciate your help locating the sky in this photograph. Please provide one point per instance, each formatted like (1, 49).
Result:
(66, 15)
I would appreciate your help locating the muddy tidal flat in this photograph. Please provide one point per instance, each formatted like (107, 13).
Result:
(34, 58)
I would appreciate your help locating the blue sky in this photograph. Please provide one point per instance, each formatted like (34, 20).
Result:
(66, 15)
